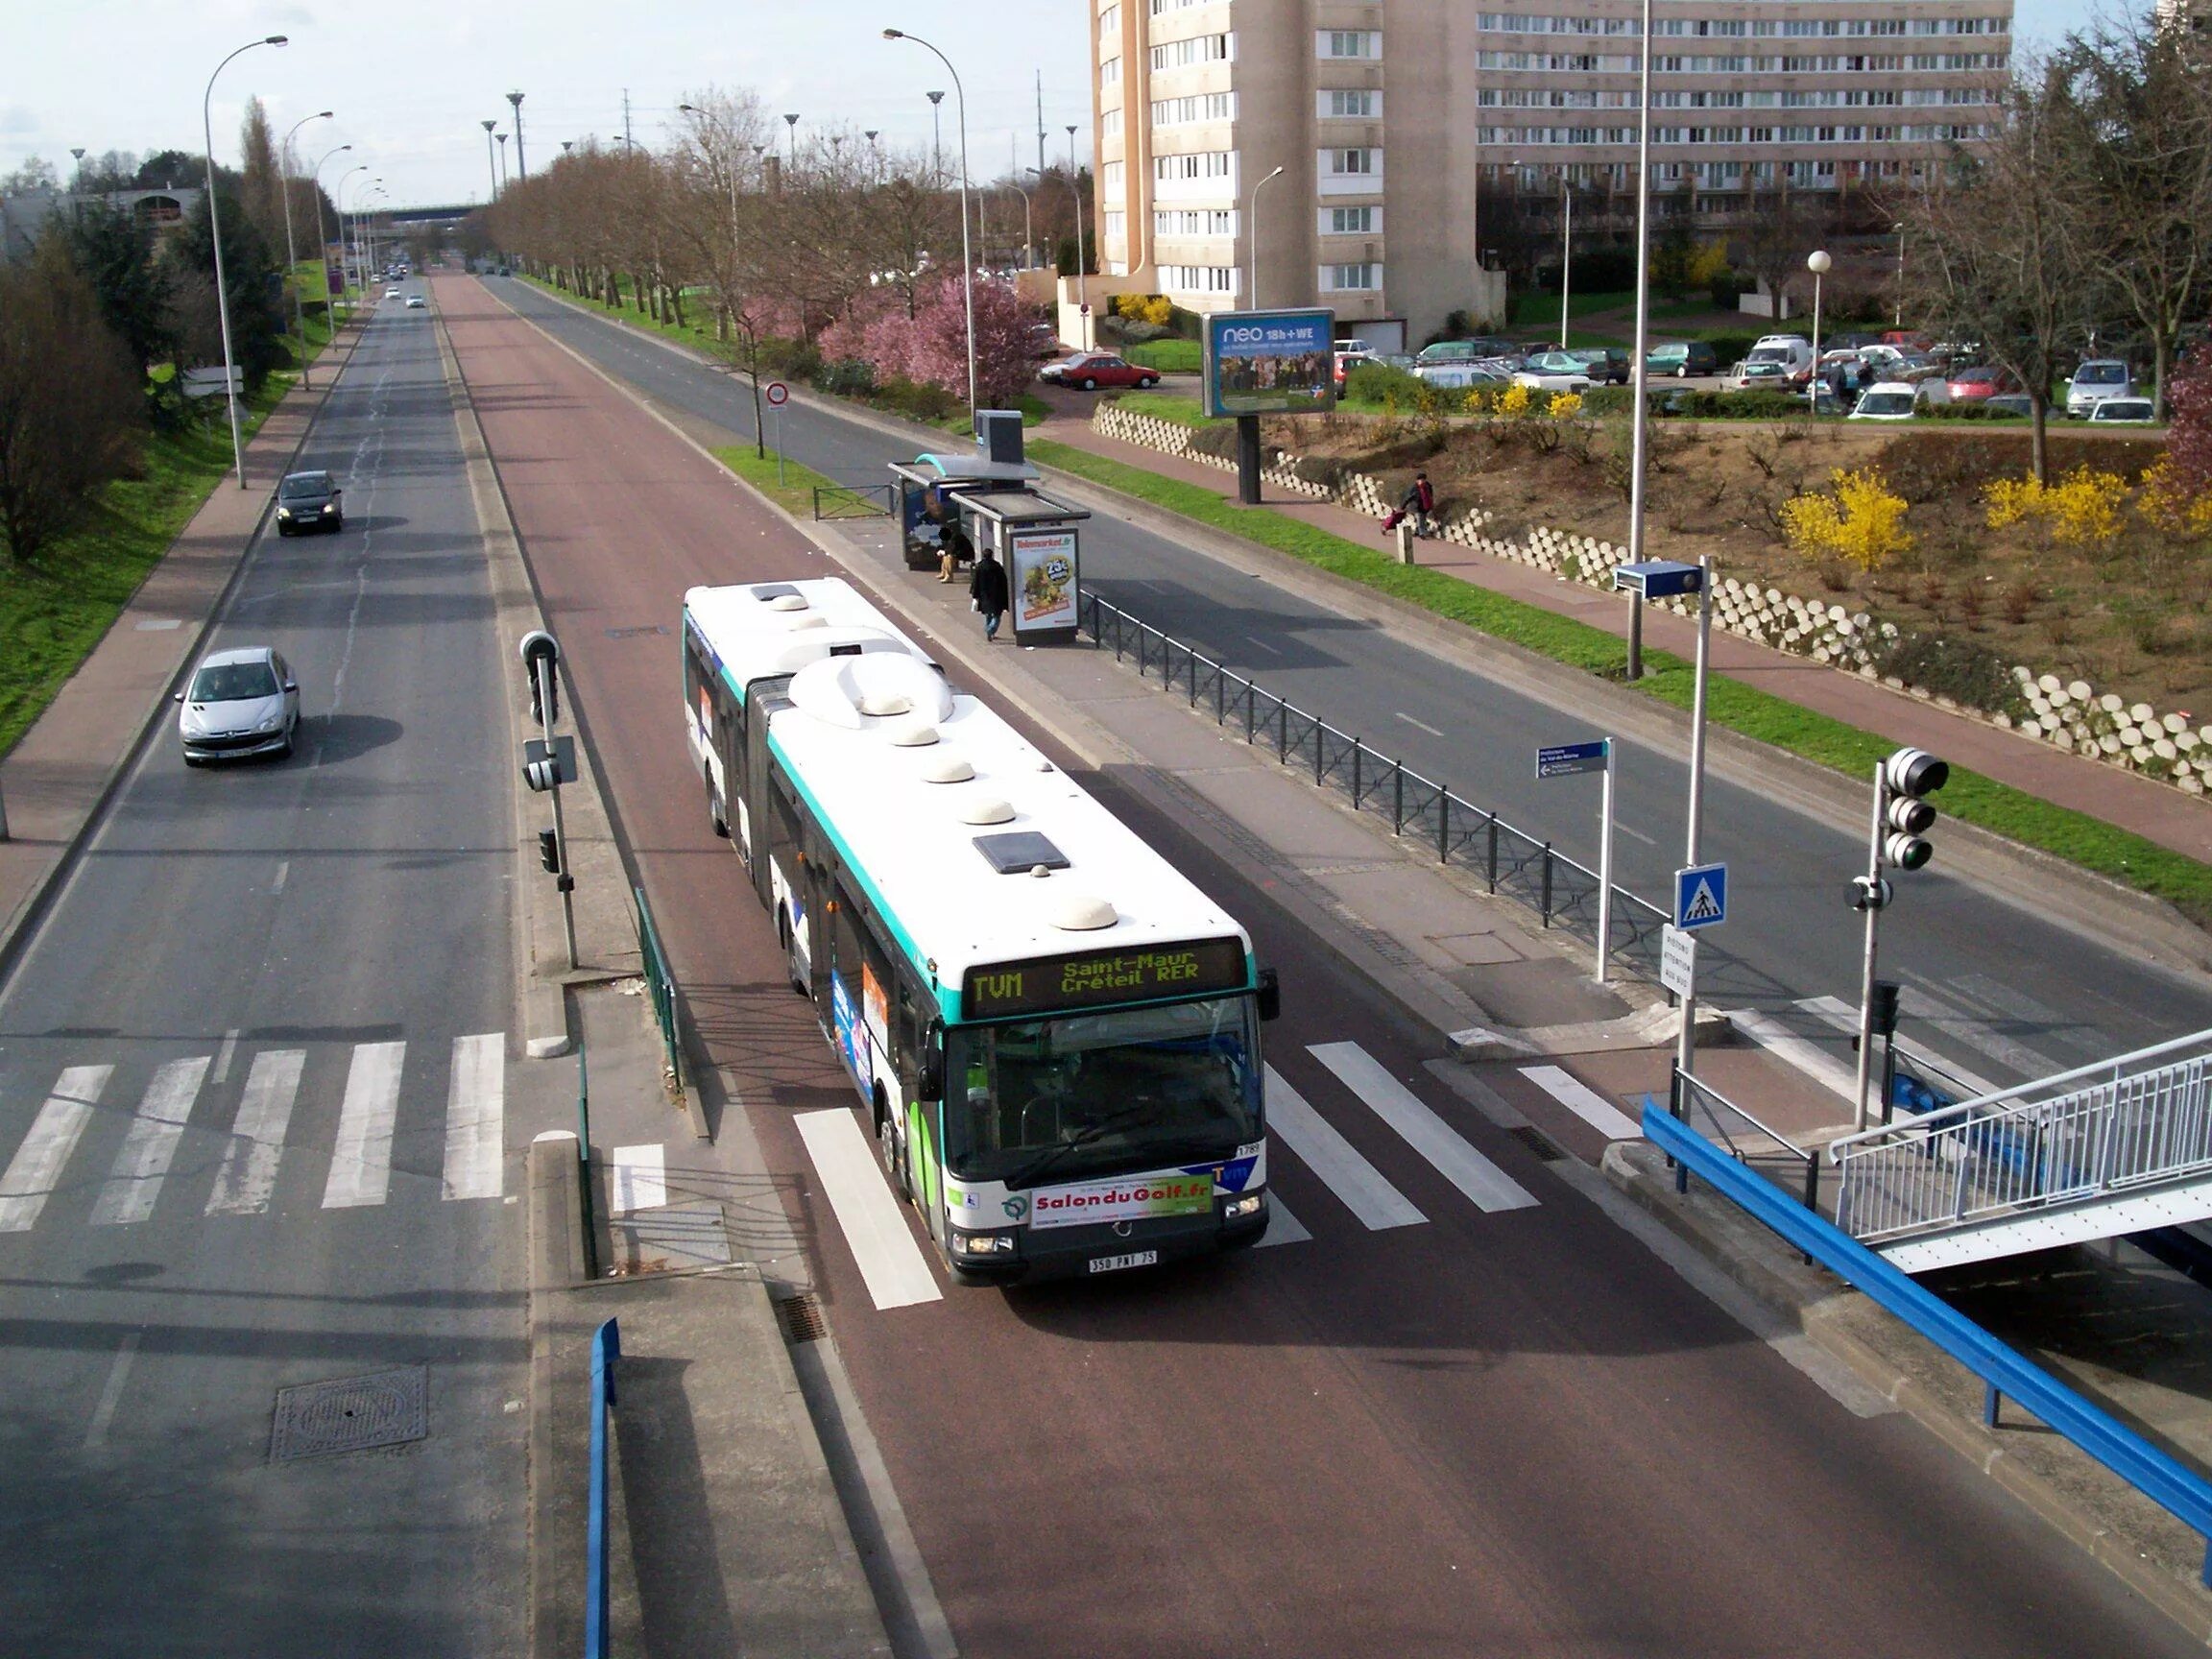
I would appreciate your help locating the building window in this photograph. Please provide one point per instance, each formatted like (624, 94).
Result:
(1110, 176)
(1208, 106)
(1359, 44)
(1110, 72)
(1110, 123)
(1364, 277)
(1198, 279)
(1342, 104)
(1117, 226)
(1345, 163)
(1194, 222)
(1198, 49)
(1109, 22)
(1351, 220)
(1201, 164)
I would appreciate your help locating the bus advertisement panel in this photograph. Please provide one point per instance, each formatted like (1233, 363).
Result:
(1270, 363)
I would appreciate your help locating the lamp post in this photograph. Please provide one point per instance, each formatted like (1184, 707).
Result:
(490, 160)
(502, 137)
(1082, 263)
(215, 227)
(1897, 321)
(522, 167)
(967, 257)
(1028, 225)
(321, 230)
(1640, 415)
(1566, 249)
(791, 126)
(1251, 231)
(345, 253)
(1818, 262)
(937, 138)
(291, 256)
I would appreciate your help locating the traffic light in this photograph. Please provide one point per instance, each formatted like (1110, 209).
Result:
(1885, 1008)
(549, 851)
(541, 775)
(1906, 777)
(539, 647)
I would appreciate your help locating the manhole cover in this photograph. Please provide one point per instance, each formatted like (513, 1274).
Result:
(802, 1318)
(351, 1414)
(1538, 1143)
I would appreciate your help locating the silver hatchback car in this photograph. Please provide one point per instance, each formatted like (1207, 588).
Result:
(241, 701)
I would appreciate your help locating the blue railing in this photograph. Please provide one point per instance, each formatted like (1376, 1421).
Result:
(606, 1349)
(2177, 1489)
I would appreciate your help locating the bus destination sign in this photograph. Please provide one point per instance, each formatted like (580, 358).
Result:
(1051, 984)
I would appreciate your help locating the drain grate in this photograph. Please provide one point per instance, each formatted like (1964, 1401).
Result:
(351, 1414)
(642, 631)
(802, 1318)
(1538, 1143)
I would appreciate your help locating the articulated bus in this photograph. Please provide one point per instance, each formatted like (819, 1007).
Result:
(1055, 1034)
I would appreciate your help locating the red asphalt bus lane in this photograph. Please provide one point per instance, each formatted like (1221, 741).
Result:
(1511, 1433)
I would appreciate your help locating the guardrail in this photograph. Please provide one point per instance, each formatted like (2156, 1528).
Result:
(1700, 1095)
(1513, 862)
(854, 501)
(606, 1349)
(2177, 1489)
(652, 961)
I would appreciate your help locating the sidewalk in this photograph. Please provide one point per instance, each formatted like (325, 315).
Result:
(2150, 810)
(56, 779)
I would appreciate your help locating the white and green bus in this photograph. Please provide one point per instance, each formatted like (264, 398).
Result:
(1056, 1035)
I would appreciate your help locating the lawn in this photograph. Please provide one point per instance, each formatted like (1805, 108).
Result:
(2010, 812)
(1169, 356)
(1535, 310)
(794, 493)
(1164, 406)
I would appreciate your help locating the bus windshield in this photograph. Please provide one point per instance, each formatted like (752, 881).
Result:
(1044, 1100)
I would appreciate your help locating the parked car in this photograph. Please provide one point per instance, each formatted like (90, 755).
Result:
(1092, 370)
(1347, 361)
(1682, 358)
(1471, 351)
(1554, 371)
(1750, 376)
(309, 501)
(2095, 380)
(1608, 365)
(1461, 376)
(240, 702)
(2009, 403)
(1887, 400)
(2132, 411)
(1793, 352)
(1912, 338)
(1044, 343)
(1980, 385)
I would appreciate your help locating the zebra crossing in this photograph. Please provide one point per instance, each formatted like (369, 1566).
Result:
(898, 1273)
(243, 1161)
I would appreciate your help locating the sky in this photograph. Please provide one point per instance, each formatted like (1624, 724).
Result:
(410, 81)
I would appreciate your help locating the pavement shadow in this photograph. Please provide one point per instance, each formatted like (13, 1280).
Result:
(349, 736)
(683, 1606)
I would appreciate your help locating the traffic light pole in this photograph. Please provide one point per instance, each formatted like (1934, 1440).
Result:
(1686, 1043)
(542, 655)
(1865, 1055)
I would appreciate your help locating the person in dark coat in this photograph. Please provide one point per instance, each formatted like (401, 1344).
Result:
(1420, 505)
(987, 591)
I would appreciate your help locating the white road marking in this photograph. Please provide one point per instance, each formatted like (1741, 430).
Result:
(151, 1145)
(283, 875)
(1776, 1038)
(1486, 1185)
(361, 1162)
(1585, 1102)
(1357, 1184)
(883, 1248)
(1283, 1227)
(38, 1162)
(1634, 835)
(1421, 724)
(1956, 1022)
(475, 1117)
(640, 1180)
(1845, 1019)
(248, 1176)
(111, 1393)
(1255, 639)
(223, 1057)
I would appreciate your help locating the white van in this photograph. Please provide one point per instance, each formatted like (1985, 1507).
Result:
(1793, 351)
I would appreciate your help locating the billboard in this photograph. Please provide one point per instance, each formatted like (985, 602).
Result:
(1270, 363)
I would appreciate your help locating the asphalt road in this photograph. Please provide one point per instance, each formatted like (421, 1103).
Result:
(1511, 1432)
(1993, 986)
(272, 1002)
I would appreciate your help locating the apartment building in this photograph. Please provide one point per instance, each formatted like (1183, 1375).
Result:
(1274, 152)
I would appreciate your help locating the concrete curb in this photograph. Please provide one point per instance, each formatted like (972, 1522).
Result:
(554, 1261)
(22, 923)
(1816, 1303)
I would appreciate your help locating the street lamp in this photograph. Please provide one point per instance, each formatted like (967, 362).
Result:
(1251, 231)
(502, 137)
(322, 231)
(522, 167)
(791, 126)
(1566, 249)
(490, 160)
(566, 145)
(215, 226)
(338, 202)
(966, 258)
(1028, 225)
(1818, 263)
(937, 138)
(291, 258)
(1082, 265)
(1638, 378)
(1898, 320)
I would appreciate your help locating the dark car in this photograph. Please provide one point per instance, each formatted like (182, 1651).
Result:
(1092, 370)
(1608, 364)
(1682, 359)
(309, 501)
(1045, 341)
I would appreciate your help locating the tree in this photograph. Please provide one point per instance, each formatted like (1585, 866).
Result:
(261, 189)
(34, 173)
(257, 313)
(68, 399)
(1674, 257)
(1783, 226)
(116, 254)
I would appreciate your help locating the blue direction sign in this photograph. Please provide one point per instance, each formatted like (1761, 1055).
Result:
(1700, 896)
(1658, 578)
(1566, 760)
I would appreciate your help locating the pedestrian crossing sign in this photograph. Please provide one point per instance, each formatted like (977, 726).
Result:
(1700, 896)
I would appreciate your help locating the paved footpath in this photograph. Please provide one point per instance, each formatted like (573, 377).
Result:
(2156, 811)
(54, 779)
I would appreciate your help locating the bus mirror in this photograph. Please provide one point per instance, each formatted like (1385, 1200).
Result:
(1270, 999)
(929, 1085)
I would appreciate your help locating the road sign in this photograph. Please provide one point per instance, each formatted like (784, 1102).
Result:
(1567, 760)
(1700, 896)
(1678, 961)
(777, 394)
(1658, 578)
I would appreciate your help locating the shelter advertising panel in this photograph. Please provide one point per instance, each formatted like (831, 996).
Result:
(1041, 567)
(1270, 363)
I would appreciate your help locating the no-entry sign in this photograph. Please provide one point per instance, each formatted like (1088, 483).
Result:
(778, 394)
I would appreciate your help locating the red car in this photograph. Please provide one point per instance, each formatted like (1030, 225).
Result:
(1092, 370)
(1974, 385)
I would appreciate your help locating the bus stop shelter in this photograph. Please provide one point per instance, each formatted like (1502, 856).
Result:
(1035, 539)
(933, 493)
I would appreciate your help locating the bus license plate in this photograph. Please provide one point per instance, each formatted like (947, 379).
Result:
(1135, 1258)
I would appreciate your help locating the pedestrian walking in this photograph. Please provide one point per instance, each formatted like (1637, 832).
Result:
(987, 591)
(1420, 504)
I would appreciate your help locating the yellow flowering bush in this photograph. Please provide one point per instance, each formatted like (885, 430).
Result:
(2081, 509)
(2009, 502)
(1476, 401)
(2168, 503)
(1861, 520)
(1159, 311)
(1512, 401)
(1566, 405)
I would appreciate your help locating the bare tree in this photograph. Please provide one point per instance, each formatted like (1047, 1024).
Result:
(261, 190)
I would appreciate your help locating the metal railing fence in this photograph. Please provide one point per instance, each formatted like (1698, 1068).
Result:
(661, 980)
(854, 501)
(1514, 862)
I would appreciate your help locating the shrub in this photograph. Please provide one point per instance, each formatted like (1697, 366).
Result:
(1218, 440)
(2081, 509)
(2170, 504)
(1130, 307)
(1159, 311)
(1733, 405)
(1862, 522)
(1378, 382)
(848, 376)
(1962, 669)
(2189, 404)
(1564, 405)
(1512, 401)
(1725, 289)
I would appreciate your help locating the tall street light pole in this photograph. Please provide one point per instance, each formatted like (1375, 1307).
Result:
(502, 137)
(291, 256)
(492, 161)
(1638, 378)
(346, 253)
(1566, 252)
(322, 229)
(936, 136)
(791, 126)
(1251, 232)
(1028, 226)
(967, 255)
(522, 167)
(1818, 263)
(215, 225)
(1082, 264)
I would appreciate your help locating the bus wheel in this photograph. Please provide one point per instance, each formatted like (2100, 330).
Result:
(792, 966)
(715, 815)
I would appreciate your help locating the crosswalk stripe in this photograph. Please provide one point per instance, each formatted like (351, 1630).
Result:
(128, 1195)
(475, 1109)
(248, 1175)
(1489, 1188)
(639, 1179)
(882, 1246)
(38, 1162)
(1360, 1187)
(361, 1160)
(1283, 1227)
(1584, 1101)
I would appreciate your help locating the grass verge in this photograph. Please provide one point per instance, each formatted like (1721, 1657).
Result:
(794, 493)
(1169, 356)
(1164, 406)
(2094, 845)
